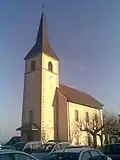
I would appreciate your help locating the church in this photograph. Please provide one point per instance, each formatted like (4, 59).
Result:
(50, 109)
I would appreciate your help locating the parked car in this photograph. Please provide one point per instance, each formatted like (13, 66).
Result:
(28, 147)
(77, 154)
(112, 150)
(13, 140)
(20, 145)
(48, 148)
(15, 155)
(7, 147)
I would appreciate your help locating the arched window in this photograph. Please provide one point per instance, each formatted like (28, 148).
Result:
(76, 115)
(96, 118)
(87, 117)
(33, 66)
(50, 67)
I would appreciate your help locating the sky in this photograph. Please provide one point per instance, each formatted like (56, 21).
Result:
(85, 35)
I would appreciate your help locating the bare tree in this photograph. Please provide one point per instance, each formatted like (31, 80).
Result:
(111, 127)
(74, 134)
(93, 127)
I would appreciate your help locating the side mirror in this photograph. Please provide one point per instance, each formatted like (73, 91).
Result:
(100, 157)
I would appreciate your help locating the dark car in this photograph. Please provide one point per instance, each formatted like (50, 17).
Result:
(7, 147)
(13, 140)
(19, 146)
(112, 150)
(76, 154)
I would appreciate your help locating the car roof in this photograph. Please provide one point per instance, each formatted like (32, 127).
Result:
(73, 150)
(57, 142)
(63, 143)
(78, 146)
(20, 142)
(9, 151)
(31, 142)
(112, 144)
(2, 151)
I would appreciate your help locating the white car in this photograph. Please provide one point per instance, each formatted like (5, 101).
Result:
(48, 148)
(77, 154)
(15, 155)
(28, 147)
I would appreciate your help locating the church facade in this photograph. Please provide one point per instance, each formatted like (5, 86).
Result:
(51, 110)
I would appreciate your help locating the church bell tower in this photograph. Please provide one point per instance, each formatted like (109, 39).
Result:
(41, 78)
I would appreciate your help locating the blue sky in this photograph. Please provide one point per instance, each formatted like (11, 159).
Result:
(85, 34)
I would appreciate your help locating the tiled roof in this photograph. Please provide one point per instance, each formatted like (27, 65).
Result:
(42, 44)
(78, 97)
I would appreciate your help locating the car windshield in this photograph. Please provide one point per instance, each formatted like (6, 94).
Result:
(45, 148)
(19, 146)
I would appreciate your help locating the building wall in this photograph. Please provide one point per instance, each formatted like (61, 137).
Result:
(50, 80)
(61, 117)
(31, 94)
(73, 129)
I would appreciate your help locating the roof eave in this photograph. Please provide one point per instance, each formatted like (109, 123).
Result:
(86, 105)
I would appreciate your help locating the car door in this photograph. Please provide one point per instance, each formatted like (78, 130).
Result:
(15, 156)
(52, 156)
(6, 156)
(20, 156)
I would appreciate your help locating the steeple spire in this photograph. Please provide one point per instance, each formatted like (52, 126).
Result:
(42, 32)
(42, 44)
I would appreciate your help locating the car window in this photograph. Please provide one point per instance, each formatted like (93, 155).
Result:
(115, 148)
(63, 156)
(19, 156)
(34, 146)
(19, 146)
(94, 153)
(56, 147)
(86, 156)
(49, 147)
(6, 157)
(27, 146)
(63, 145)
(39, 145)
(107, 149)
(51, 157)
(68, 156)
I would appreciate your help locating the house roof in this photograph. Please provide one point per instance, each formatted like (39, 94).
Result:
(42, 44)
(28, 127)
(78, 97)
